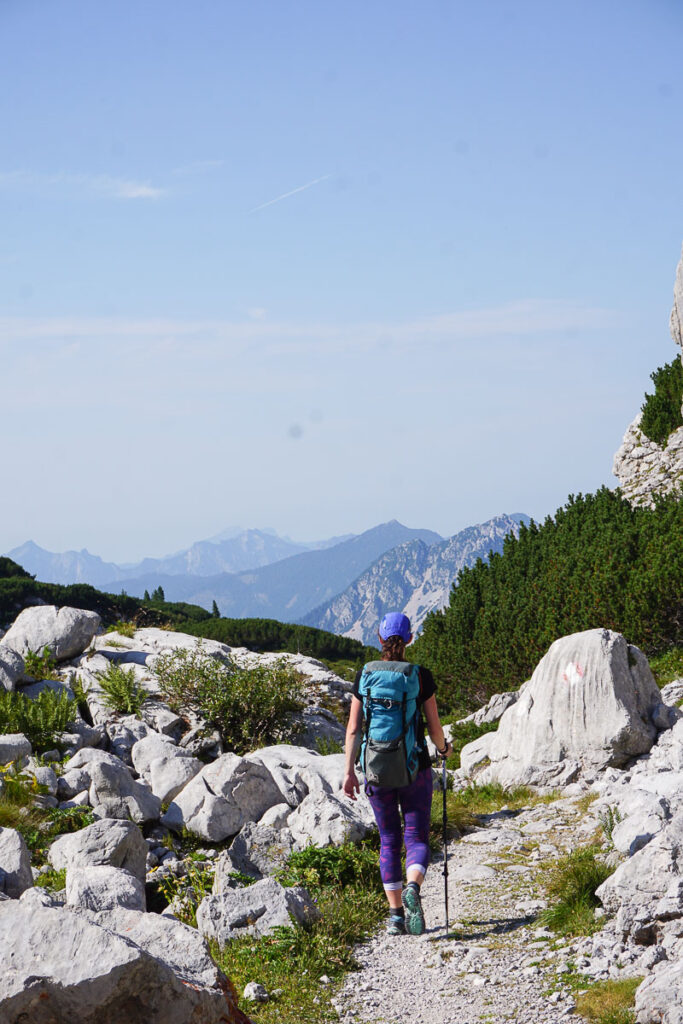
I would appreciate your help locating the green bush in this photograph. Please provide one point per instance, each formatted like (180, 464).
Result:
(599, 562)
(667, 666)
(39, 825)
(570, 885)
(123, 628)
(662, 410)
(251, 707)
(40, 666)
(349, 865)
(40, 718)
(121, 690)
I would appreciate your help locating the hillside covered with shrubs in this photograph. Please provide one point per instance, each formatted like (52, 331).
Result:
(19, 589)
(598, 562)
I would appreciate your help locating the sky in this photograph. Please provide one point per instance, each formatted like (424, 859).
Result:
(317, 266)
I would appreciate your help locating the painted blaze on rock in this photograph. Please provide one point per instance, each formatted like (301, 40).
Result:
(589, 704)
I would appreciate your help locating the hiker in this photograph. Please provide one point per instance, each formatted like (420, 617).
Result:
(398, 775)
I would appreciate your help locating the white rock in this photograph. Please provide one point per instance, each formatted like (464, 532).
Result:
(165, 767)
(15, 863)
(255, 993)
(255, 910)
(114, 794)
(101, 887)
(588, 704)
(66, 967)
(326, 820)
(116, 843)
(256, 850)
(14, 746)
(222, 797)
(66, 632)
(660, 997)
(11, 668)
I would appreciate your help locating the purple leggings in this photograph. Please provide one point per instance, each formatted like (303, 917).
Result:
(415, 801)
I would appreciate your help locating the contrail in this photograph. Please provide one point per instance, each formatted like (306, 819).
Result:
(286, 195)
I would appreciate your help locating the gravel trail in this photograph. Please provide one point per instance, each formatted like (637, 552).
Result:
(496, 964)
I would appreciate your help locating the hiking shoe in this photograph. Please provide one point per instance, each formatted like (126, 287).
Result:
(415, 919)
(396, 926)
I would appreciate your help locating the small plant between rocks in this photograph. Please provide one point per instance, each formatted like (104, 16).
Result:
(570, 884)
(40, 666)
(41, 719)
(123, 628)
(121, 690)
(609, 1002)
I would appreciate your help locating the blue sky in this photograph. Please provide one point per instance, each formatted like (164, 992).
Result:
(317, 266)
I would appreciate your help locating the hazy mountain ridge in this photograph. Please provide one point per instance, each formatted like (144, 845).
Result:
(288, 589)
(413, 577)
(227, 552)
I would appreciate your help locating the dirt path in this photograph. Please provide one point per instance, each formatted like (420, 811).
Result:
(497, 963)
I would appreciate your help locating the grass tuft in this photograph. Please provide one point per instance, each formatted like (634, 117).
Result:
(570, 885)
(609, 1002)
(123, 628)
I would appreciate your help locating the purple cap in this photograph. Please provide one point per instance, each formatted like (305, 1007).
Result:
(395, 624)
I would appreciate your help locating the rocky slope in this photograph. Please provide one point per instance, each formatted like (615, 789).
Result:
(643, 467)
(589, 726)
(414, 578)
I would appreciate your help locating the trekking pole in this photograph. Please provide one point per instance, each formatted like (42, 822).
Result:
(445, 839)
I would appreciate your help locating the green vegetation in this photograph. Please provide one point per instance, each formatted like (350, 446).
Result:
(121, 690)
(570, 883)
(271, 635)
(186, 893)
(662, 410)
(609, 1002)
(39, 825)
(345, 883)
(667, 666)
(53, 881)
(324, 745)
(251, 707)
(123, 628)
(598, 563)
(40, 718)
(40, 666)
(608, 822)
(465, 807)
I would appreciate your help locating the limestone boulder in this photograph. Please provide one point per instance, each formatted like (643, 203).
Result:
(255, 910)
(588, 705)
(113, 793)
(325, 820)
(165, 767)
(14, 746)
(257, 850)
(299, 771)
(60, 966)
(66, 632)
(494, 708)
(115, 843)
(15, 864)
(223, 797)
(659, 1000)
(633, 892)
(100, 887)
(124, 733)
(11, 668)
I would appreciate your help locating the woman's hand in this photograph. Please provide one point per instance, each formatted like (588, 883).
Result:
(447, 752)
(351, 785)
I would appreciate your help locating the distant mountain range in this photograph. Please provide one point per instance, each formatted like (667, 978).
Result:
(343, 585)
(414, 578)
(233, 550)
(283, 590)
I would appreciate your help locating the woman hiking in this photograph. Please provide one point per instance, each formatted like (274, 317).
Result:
(398, 774)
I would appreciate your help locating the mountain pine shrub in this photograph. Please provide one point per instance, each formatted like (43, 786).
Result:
(251, 707)
(662, 410)
(40, 718)
(599, 562)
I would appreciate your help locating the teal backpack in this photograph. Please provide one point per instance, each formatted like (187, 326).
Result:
(392, 734)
